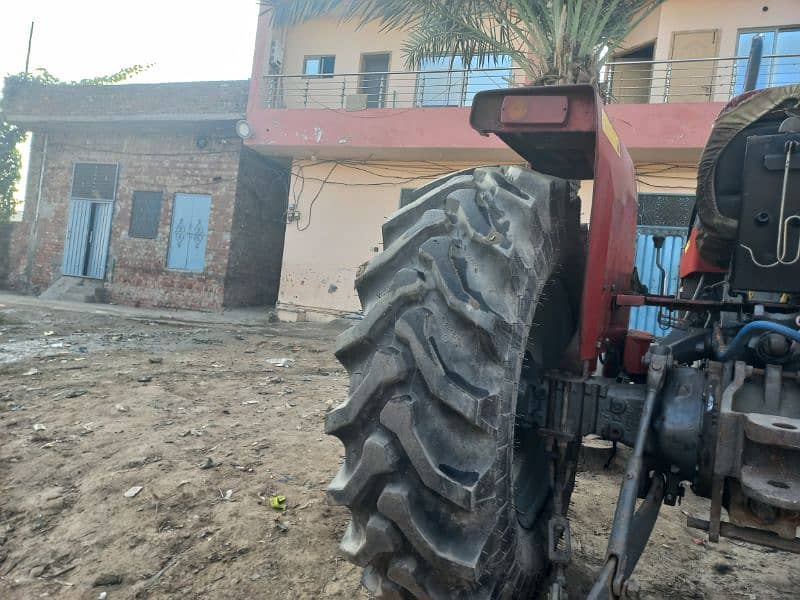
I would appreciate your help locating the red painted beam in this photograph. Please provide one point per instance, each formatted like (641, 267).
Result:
(664, 126)
(659, 127)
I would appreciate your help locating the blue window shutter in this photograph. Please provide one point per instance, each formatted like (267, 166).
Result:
(198, 233)
(189, 231)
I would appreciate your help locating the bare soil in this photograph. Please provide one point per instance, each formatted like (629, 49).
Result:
(95, 404)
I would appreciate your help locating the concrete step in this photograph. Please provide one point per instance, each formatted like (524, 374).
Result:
(74, 289)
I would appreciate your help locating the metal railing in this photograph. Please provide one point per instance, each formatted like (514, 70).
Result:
(692, 79)
(635, 81)
(392, 89)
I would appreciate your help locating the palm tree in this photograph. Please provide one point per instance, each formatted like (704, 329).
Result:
(553, 41)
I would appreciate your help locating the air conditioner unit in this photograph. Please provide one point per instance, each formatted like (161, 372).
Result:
(276, 53)
(353, 102)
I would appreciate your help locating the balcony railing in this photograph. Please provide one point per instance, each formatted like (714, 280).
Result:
(693, 79)
(644, 82)
(394, 89)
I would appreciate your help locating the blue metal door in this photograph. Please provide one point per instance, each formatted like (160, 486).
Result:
(88, 234)
(645, 318)
(187, 243)
(102, 213)
(78, 224)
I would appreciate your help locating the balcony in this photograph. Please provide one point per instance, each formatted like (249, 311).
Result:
(663, 110)
(622, 82)
(692, 80)
(395, 89)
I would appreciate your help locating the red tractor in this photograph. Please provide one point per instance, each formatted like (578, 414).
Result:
(495, 337)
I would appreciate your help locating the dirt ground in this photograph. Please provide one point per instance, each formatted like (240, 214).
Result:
(94, 404)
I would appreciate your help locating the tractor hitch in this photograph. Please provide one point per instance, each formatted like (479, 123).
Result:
(631, 528)
(731, 431)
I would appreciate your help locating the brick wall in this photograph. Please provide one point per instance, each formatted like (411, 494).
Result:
(257, 233)
(169, 162)
(23, 252)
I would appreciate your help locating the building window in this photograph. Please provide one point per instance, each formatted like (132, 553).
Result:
(780, 70)
(189, 232)
(319, 66)
(145, 215)
(446, 81)
(94, 181)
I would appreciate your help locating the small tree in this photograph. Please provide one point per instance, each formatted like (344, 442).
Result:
(10, 164)
(11, 136)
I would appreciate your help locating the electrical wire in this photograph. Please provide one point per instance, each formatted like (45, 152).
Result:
(430, 170)
(389, 174)
(299, 178)
(316, 197)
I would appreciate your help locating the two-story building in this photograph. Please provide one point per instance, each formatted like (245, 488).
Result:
(360, 128)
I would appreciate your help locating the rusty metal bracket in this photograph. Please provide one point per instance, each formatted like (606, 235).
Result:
(747, 534)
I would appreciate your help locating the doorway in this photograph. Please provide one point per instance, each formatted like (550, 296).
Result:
(374, 78)
(88, 232)
(91, 210)
(693, 81)
(631, 75)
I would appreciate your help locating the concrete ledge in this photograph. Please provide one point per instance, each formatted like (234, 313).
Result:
(29, 103)
(293, 313)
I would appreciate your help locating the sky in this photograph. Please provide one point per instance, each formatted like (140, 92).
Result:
(187, 40)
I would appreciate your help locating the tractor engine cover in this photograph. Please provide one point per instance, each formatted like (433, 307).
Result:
(770, 208)
(720, 175)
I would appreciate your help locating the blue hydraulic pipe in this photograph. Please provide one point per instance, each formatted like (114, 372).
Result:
(745, 333)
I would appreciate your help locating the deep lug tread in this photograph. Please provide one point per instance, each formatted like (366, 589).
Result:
(387, 368)
(396, 502)
(427, 197)
(434, 367)
(433, 222)
(398, 417)
(436, 254)
(413, 330)
(379, 586)
(378, 457)
(405, 571)
(379, 536)
(407, 286)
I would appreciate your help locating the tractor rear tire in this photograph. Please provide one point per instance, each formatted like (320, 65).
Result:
(449, 496)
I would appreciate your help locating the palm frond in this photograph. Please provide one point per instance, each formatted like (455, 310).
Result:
(554, 41)
(467, 34)
(395, 14)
